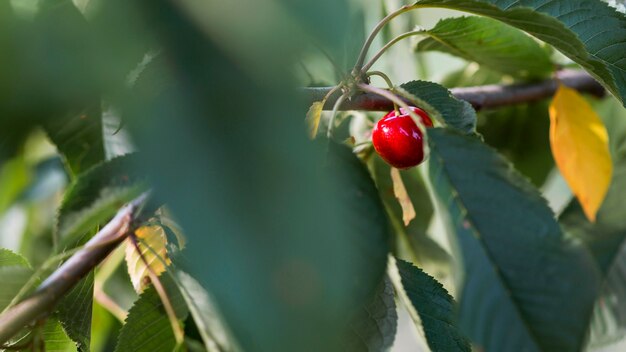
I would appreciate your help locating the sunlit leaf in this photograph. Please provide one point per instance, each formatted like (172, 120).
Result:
(580, 147)
(151, 242)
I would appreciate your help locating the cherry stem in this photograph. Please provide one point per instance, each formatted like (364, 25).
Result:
(382, 50)
(329, 131)
(383, 76)
(389, 83)
(394, 98)
(359, 63)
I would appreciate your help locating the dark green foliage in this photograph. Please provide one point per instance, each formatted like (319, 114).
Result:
(512, 250)
(588, 32)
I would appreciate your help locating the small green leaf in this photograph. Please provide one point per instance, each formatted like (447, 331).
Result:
(14, 177)
(147, 327)
(15, 272)
(439, 102)
(435, 308)
(490, 43)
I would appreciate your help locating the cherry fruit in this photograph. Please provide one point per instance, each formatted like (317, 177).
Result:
(398, 140)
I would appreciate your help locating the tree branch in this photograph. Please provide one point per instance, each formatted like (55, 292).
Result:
(481, 97)
(47, 295)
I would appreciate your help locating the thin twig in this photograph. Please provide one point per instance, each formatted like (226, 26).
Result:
(44, 299)
(481, 97)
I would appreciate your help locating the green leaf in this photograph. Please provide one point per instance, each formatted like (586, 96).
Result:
(78, 137)
(490, 43)
(14, 177)
(15, 272)
(74, 312)
(438, 101)
(9, 258)
(147, 326)
(95, 196)
(55, 338)
(374, 326)
(205, 314)
(435, 308)
(521, 274)
(589, 32)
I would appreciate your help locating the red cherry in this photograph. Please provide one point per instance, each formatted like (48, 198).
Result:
(398, 140)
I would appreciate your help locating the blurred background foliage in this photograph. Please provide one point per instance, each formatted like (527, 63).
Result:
(205, 91)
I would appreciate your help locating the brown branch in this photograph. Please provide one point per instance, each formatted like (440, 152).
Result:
(481, 97)
(47, 295)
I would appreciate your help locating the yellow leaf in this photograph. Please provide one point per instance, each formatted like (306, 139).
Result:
(580, 147)
(408, 211)
(313, 117)
(152, 242)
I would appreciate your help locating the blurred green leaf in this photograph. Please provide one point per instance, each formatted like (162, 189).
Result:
(373, 327)
(521, 274)
(147, 327)
(278, 240)
(435, 308)
(490, 43)
(438, 101)
(589, 32)
(95, 196)
(15, 272)
(14, 177)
